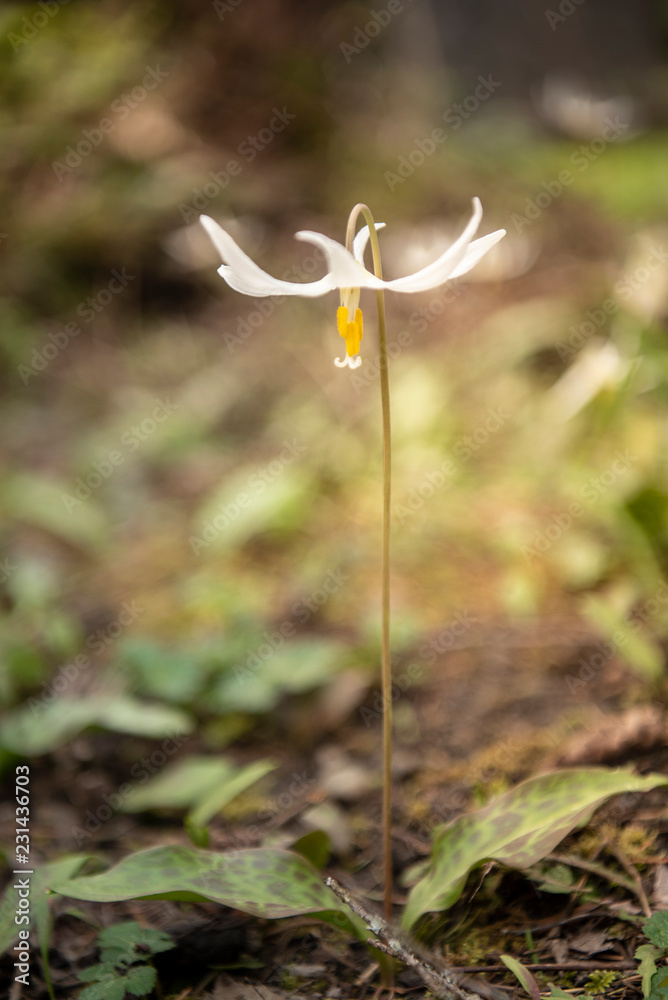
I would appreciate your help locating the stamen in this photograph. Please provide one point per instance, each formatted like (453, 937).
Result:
(350, 330)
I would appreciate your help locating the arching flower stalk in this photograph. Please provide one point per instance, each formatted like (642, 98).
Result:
(346, 272)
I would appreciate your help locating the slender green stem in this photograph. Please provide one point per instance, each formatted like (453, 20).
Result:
(386, 665)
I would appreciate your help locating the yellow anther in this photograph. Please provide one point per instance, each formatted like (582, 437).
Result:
(351, 332)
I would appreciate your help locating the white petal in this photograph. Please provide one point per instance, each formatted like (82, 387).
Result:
(350, 298)
(244, 276)
(440, 270)
(361, 240)
(476, 251)
(344, 270)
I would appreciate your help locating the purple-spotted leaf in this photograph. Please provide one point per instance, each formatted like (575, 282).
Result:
(518, 828)
(266, 882)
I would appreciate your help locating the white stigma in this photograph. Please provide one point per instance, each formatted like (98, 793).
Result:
(348, 362)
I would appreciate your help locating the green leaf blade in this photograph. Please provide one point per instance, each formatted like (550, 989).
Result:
(102, 972)
(646, 955)
(108, 990)
(31, 734)
(140, 980)
(266, 882)
(121, 942)
(528, 982)
(218, 797)
(659, 985)
(656, 929)
(518, 829)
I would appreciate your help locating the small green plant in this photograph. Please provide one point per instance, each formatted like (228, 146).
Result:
(126, 950)
(654, 980)
(599, 981)
(348, 274)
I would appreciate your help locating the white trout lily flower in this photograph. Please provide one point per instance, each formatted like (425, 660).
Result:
(346, 272)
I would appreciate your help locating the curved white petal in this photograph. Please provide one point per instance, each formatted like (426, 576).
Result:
(361, 240)
(344, 270)
(477, 251)
(440, 270)
(242, 274)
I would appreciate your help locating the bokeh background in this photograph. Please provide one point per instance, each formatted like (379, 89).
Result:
(190, 496)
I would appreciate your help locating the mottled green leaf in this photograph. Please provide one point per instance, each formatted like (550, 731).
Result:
(518, 828)
(264, 882)
(523, 975)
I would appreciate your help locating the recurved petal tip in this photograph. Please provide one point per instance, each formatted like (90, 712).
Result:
(209, 224)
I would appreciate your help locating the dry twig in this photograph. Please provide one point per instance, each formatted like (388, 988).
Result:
(443, 982)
